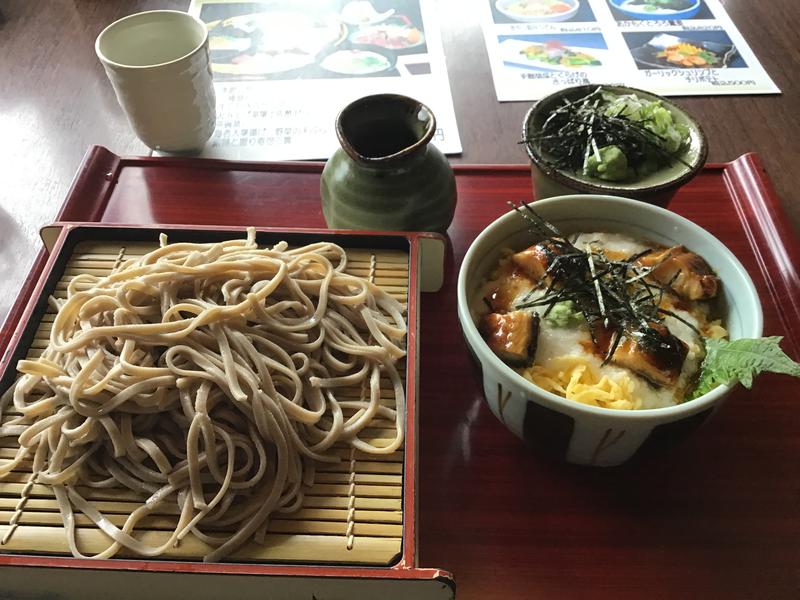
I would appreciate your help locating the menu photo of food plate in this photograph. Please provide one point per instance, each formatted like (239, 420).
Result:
(659, 10)
(313, 40)
(685, 50)
(669, 47)
(529, 66)
(540, 11)
(566, 52)
(283, 69)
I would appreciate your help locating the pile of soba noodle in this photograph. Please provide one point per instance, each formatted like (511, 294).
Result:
(205, 376)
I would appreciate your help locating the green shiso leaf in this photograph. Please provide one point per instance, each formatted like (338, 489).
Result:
(741, 360)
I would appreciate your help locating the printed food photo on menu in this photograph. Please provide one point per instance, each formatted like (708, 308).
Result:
(541, 11)
(560, 52)
(640, 10)
(683, 50)
(313, 39)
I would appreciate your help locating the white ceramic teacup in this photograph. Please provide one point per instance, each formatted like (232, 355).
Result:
(158, 63)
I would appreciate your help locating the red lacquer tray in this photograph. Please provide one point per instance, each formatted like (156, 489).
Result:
(717, 517)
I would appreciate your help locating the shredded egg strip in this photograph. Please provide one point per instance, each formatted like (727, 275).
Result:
(576, 378)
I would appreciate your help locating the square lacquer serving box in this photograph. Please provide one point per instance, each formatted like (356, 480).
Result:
(353, 535)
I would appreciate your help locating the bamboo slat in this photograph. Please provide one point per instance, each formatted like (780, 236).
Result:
(312, 549)
(353, 513)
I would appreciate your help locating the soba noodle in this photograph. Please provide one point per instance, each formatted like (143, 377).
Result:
(206, 376)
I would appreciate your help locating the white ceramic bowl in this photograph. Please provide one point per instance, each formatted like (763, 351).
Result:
(579, 433)
(640, 13)
(502, 6)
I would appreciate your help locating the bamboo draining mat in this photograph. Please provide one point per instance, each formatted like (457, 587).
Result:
(352, 514)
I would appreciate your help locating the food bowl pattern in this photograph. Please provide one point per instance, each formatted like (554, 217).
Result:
(656, 188)
(511, 9)
(638, 12)
(575, 432)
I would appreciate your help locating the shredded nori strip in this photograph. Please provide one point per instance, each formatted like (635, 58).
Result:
(614, 296)
(577, 129)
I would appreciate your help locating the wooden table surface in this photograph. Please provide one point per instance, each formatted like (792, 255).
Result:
(55, 101)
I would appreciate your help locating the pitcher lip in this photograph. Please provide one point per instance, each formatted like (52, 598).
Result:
(408, 150)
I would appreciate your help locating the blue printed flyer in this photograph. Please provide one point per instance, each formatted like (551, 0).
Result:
(669, 47)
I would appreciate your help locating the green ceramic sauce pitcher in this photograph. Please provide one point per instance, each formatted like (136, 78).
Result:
(387, 175)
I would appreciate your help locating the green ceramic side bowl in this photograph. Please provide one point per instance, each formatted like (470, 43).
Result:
(657, 188)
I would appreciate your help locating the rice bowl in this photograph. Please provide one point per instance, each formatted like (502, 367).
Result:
(584, 431)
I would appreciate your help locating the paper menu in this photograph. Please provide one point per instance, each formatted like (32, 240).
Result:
(283, 69)
(669, 47)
